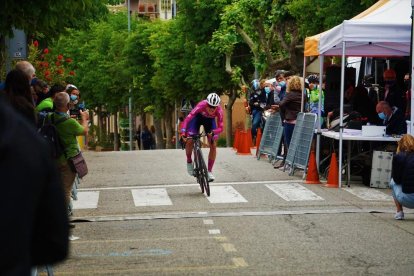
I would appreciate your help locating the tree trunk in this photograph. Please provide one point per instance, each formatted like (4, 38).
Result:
(168, 128)
(99, 125)
(158, 133)
(116, 132)
(229, 117)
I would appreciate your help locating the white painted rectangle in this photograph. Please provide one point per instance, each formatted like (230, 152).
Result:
(86, 200)
(368, 194)
(225, 194)
(151, 197)
(293, 192)
(214, 231)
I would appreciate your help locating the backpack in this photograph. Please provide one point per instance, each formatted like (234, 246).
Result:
(49, 132)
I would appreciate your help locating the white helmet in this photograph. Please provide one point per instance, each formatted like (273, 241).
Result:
(213, 99)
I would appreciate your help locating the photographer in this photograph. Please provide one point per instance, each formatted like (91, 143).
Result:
(75, 105)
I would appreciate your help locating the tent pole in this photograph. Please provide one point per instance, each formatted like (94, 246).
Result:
(318, 134)
(304, 89)
(411, 129)
(341, 116)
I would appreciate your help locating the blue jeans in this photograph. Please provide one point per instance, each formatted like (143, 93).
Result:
(406, 200)
(287, 132)
(256, 119)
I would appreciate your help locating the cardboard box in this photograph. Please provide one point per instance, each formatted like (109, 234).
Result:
(373, 130)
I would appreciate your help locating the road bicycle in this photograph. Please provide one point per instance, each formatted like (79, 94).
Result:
(200, 168)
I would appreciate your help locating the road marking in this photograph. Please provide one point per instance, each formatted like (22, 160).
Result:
(221, 238)
(368, 194)
(187, 185)
(228, 247)
(293, 192)
(208, 221)
(239, 262)
(214, 231)
(192, 215)
(225, 194)
(151, 197)
(86, 200)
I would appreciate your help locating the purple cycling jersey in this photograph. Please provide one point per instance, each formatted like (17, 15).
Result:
(201, 108)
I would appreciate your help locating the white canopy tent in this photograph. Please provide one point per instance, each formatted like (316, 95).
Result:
(383, 30)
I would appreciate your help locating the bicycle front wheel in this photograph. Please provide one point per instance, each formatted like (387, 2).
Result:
(203, 172)
(198, 171)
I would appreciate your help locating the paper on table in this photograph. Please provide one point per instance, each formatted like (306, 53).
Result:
(353, 132)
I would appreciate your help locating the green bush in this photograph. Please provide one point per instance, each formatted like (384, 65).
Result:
(221, 142)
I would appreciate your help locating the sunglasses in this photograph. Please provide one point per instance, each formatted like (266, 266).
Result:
(212, 107)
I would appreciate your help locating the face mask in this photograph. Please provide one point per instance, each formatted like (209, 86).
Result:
(282, 83)
(382, 116)
(267, 90)
(74, 99)
(407, 84)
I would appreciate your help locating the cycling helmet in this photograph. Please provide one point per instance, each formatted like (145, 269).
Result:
(213, 99)
(313, 79)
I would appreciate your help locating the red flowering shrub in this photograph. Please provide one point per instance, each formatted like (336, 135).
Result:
(50, 67)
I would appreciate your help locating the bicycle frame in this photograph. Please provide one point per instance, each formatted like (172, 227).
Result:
(200, 168)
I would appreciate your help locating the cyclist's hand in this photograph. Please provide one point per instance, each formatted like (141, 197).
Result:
(183, 140)
(210, 134)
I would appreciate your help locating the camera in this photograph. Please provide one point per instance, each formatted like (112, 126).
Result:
(75, 111)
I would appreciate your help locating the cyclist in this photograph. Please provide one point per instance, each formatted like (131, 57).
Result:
(204, 113)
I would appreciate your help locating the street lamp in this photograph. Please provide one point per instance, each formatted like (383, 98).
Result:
(130, 97)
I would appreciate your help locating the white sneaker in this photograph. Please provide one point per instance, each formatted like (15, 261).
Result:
(211, 177)
(190, 169)
(399, 215)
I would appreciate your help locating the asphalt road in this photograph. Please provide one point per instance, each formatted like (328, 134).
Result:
(139, 213)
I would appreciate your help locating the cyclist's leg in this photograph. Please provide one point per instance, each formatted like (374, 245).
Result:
(209, 125)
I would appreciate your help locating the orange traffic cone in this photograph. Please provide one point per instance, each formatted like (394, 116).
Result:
(249, 137)
(258, 139)
(333, 173)
(312, 176)
(244, 146)
(236, 139)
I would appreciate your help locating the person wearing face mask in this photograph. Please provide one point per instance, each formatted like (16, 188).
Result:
(314, 96)
(393, 93)
(257, 103)
(75, 105)
(392, 118)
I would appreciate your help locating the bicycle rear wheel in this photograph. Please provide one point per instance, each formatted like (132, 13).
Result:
(203, 172)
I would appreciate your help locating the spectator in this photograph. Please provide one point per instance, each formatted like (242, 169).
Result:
(27, 68)
(394, 94)
(146, 138)
(138, 136)
(402, 181)
(257, 103)
(47, 104)
(281, 80)
(74, 106)
(362, 104)
(34, 218)
(290, 107)
(40, 88)
(392, 117)
(17, 89)
(68, 130)
(313, 97)
(153, 137)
